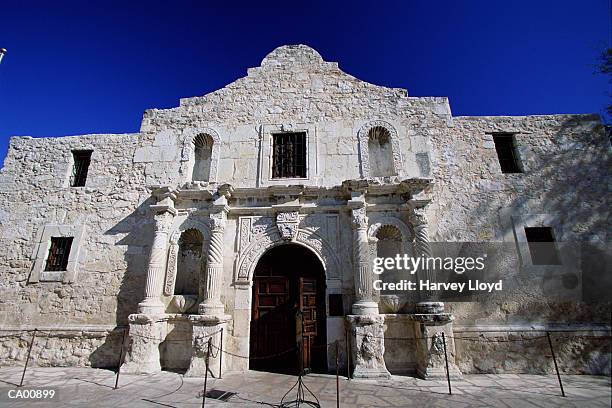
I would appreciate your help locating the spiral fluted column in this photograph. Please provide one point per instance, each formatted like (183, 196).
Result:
(210, 290)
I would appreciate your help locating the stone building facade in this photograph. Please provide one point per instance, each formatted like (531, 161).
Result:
(279, 189)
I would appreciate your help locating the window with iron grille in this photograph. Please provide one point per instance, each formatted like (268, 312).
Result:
(289, 155)
(58, 254)
(82, 159)
(542, 246)
(506, 153)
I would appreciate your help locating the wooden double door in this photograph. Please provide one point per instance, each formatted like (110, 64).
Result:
(287, 310)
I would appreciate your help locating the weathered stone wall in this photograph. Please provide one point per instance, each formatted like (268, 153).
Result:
(565, 185)
(34, 192)
(294, 89)
(581, 352)
(95, 347)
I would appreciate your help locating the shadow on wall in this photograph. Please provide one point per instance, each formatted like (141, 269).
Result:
(569, 178)
(138, 230)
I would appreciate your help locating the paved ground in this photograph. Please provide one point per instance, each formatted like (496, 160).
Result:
(87, 387)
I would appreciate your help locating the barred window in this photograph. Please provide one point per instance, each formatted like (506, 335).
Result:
(289, 155)
(82, 159)
(58, 254)
(505, 146)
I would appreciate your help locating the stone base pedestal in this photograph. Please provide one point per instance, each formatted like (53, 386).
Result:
(430, 308)
(430, 348)
(142, 353)
(365, 308)
(367, 346)
(205, 327)
(212, 309)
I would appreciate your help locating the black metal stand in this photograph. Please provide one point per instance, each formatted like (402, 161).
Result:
(28, 357)
(120, 358)
(555, 361)
(221, 354)
(450, 391)
(206, 360)
(337, 374)
(300, 399)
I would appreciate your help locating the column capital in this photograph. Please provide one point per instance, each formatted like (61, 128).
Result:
(218, 220)
(163, 221)
(419, 217)
(359, 218)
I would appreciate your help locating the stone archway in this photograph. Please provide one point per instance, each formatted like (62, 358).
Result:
(288, 313)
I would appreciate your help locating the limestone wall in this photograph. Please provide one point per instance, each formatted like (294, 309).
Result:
(34, 193)
(80, 347)
(565, 185)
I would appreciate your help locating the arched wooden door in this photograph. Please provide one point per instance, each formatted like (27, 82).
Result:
(288, 304)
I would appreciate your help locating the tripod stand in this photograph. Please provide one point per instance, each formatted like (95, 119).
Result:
(301, 388)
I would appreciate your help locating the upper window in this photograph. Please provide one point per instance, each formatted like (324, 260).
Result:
(505, 145)
(542, 246)
(202, 145)
(82, 159)
(57, 260)
(289, 155)
(380, 152)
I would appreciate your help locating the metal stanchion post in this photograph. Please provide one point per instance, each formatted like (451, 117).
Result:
(120, 357)
(337, 373)
(206, 372)
(348, 354)
(221, 354)
(552, 351)
(28, 357)
(450, 392)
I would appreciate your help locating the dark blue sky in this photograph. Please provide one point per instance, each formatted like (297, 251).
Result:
(74, 67)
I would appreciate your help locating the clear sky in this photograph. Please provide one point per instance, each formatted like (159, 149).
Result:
(94, 67)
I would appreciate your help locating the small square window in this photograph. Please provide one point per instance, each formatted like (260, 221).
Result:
(542, 246)
(336, 307)
(505, 145)
(57, 260)
(289, 155)
(82, 159)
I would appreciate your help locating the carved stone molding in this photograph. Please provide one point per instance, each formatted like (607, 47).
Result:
(253, 247)
(171, 268)
(172, 264)
(379, 222)
(287, 224)
(363, 138)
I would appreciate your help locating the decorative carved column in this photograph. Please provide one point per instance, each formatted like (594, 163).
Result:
(364, 291)
(428, 302)
(172, 264)
(152, 303)
(210, 286)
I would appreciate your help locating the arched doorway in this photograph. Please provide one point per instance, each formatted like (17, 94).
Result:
(288, 294)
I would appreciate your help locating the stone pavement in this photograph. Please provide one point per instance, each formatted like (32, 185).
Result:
(88, 387)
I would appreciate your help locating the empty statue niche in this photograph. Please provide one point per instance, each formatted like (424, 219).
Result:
(380, 152)
(202, 147)
(389, 245)
(175, 350)
(189, 263)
